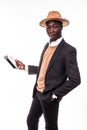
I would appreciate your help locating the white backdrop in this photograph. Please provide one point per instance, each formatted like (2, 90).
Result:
(23, 38)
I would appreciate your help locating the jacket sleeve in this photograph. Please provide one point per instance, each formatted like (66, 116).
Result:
(73, 75)
(32, 69)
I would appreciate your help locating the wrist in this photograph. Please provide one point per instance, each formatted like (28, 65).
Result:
(26, 68)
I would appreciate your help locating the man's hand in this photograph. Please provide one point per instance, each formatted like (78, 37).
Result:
(53, 97)
(20, 65)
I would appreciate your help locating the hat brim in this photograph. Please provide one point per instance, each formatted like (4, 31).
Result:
(65, 22)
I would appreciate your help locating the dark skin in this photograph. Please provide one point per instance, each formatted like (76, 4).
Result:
(53, 29)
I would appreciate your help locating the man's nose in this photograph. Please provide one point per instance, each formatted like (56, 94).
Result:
(51, 29)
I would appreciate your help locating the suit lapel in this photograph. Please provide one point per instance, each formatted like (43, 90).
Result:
(56, 54)
(42, 55)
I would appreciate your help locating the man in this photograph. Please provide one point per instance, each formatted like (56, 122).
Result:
(57, 74)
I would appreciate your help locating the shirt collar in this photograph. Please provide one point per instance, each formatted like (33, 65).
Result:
(55, 43)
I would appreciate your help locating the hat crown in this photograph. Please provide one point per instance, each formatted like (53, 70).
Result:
(54, 14)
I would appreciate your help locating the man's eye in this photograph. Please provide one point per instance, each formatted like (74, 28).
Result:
(48, 28)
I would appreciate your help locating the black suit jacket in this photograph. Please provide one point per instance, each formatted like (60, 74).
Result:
(62, 74)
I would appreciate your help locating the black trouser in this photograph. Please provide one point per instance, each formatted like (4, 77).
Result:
(49, 110)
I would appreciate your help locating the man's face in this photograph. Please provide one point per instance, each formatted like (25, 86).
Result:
(53, 29)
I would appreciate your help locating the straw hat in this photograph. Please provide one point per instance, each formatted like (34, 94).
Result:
(54, 15)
